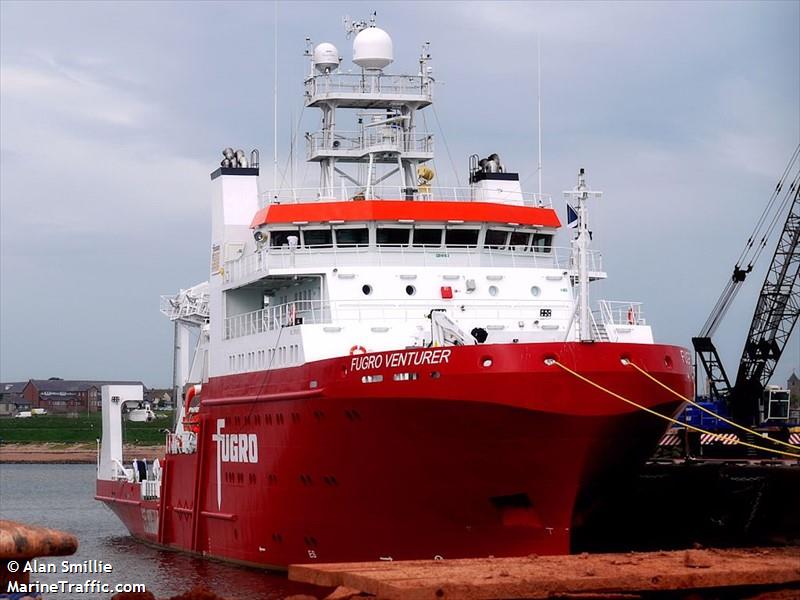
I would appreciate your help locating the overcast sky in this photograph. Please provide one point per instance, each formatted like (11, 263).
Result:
(112, 116)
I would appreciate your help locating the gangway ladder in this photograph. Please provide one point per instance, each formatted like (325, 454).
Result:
(600, 332)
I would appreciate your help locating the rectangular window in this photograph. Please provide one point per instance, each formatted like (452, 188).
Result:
(496, 238)
(352, 237)
(519, 240)
(542, 243)
(393, 236)
(318, 238)
(427, 237)
(461, 237)
(280, 237)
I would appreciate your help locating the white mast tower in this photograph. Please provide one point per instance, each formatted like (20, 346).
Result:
(386, 138)
(580, 256)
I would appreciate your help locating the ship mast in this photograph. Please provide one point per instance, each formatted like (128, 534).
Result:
(580, 248)
(385, 141)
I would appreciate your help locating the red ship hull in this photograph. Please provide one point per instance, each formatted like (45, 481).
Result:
(449, 458)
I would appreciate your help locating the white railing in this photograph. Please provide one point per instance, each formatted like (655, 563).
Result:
(275, 317)
(621, 312)
(389, 255)
(397, 192)
(375, 139)
(368, 83)
(341, 311)
(150, 489)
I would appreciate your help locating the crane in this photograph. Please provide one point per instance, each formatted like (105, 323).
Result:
(777, 309)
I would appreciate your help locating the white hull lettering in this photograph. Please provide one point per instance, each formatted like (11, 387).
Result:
(416, 358)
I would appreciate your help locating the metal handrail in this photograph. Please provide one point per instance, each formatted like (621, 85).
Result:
(265, 259)
(292, 195)
(621, 312)
(315, 312)
(368, 83)
(373, 139)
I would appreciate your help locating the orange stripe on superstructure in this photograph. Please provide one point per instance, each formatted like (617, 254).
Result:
(395, 210)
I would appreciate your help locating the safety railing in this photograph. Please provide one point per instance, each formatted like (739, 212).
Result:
(378, 139)
(391, 255)
(292, 195)
(275, 317)
(343, 311)
(331, 84)
(150, 489)
(621, 312)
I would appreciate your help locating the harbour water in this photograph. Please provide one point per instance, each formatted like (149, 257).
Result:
(62, 497)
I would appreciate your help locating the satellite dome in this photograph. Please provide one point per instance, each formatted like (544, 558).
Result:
(373, 49)
(325, 57)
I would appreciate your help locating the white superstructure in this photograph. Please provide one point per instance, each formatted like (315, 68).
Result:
(359, 264)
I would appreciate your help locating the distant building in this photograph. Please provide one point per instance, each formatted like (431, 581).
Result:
(161, 398)
(793, 385)
(11, 399)
(62, 396)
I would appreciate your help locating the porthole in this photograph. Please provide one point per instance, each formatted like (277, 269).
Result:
(535, 290)
(493, 290)
(486, 362)
(411, 290)
(366, 289)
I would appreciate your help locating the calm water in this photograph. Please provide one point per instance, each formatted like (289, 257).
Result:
(62, 497)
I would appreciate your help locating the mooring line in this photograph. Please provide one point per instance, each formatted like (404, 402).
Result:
(552, 361)
(707, 411)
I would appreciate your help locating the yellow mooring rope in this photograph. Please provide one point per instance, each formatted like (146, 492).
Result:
(658, 414)
(707, 411)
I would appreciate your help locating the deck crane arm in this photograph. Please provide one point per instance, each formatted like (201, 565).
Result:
(775, 316)
(778, 303)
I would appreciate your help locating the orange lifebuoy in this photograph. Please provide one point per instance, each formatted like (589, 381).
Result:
(631, 316)
(191, 421)
(358, 349)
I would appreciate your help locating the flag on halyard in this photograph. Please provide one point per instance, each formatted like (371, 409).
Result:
(572, 217)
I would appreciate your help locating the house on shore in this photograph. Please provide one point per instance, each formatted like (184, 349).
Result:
(68, 396)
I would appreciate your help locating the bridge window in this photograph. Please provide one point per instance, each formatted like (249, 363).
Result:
(318, 238)
(542, 243)
(519, 239)
(461, 237)
(280, 237)
(395, 236)
(356, 236)
(427, 237)
(496, 238)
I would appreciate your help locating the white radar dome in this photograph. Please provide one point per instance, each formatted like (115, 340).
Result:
(325, 57)
(373, 49)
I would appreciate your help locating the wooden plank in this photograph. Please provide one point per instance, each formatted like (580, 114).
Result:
(540, 577)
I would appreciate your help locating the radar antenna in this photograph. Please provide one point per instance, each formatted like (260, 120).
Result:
(352, 27)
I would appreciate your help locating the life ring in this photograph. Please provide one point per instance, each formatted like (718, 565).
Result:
(631, 316)
(191, 421)
(358, 349)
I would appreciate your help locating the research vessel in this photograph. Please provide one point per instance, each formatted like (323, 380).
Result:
(387, 369)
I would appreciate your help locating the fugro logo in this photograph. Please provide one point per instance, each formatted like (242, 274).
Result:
(233, 447)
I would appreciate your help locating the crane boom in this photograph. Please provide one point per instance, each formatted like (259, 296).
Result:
(775, 315)
(777, 309)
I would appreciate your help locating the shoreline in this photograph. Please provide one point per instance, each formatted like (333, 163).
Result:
(70, 453)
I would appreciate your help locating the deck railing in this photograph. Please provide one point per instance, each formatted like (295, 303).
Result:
(292, 195)
(368, 83)
(377, 139)
(392, 255)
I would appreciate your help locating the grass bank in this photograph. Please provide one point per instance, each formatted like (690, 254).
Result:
(81, 429)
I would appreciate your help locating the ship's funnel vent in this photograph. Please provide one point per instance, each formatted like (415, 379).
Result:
(237, 159)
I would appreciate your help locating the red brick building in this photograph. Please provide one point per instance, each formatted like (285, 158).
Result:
(60, 396)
